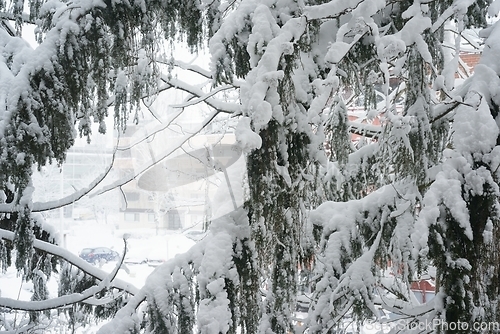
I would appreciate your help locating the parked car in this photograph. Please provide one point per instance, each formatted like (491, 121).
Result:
(98, 254)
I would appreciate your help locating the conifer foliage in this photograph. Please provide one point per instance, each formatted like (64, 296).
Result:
(361, 221)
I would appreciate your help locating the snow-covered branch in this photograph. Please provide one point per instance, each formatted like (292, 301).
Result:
(221, 106)
(54, 303)
(77, 262)
(365, 130)
(332, 9)
(67, 200)
(207, 271)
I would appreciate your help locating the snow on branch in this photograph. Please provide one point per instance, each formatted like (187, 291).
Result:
(192, 290)
(67, 200)
(77, 262)
(357, 237)
(332, 9)
(365, 130)
(50, 304)
(193, 68)
(226, 107)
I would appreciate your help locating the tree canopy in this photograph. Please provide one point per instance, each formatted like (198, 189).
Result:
(357, 223)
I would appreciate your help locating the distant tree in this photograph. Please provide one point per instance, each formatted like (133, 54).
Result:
(367, 221)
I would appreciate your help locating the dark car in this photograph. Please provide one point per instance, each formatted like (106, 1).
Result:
(98, 254)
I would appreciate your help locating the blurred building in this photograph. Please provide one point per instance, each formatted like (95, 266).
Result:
(178, 183)
(85, 161)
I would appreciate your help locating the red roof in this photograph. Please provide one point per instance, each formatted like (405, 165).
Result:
(423, 285)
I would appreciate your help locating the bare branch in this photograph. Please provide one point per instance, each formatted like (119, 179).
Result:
(152, 134)
(142, 169)
(202, 98)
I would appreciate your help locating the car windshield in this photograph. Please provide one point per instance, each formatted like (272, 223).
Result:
(86, 251)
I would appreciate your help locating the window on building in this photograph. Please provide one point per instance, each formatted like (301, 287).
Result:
(132, 196)
(131, 217)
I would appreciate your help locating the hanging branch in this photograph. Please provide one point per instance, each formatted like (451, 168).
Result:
(67, 200)
(77, 262)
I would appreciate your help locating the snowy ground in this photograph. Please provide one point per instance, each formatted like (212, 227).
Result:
(142, 244)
